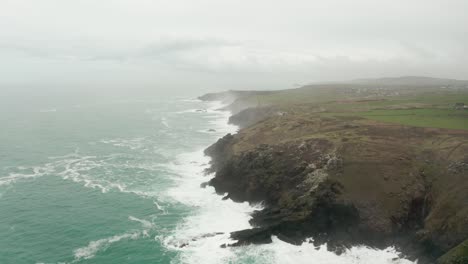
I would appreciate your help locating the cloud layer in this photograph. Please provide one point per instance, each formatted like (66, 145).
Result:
(257, 43)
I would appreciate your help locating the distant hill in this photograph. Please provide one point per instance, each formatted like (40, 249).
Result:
(412, 81)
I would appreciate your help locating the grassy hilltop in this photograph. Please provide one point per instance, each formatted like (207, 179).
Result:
(377, 162)
(408, 103)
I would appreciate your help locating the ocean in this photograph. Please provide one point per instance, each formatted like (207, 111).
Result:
(118, 180)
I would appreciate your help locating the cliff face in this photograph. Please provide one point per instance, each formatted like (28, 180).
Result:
(346, 181)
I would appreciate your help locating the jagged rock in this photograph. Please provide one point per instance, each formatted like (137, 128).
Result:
(380, 187)
(251, 236)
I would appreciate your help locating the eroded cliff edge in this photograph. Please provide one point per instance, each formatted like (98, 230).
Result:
(347, 181)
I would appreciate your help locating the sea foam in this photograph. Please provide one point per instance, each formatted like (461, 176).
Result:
(93, 247)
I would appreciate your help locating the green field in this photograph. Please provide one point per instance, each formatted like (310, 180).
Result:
(437, 118)
(417, 107)
(423, 110)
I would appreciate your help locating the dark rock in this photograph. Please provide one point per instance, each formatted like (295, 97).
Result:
(288, 239)
(252, 236)
(376, 188)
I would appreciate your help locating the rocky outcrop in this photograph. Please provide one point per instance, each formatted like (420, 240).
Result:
(347, 182)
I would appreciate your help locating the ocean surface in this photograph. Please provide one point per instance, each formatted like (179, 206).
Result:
(118, 181)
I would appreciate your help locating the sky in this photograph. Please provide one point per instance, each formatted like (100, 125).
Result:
(227, 44)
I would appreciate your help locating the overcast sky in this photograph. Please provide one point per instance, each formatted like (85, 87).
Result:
(226, 44)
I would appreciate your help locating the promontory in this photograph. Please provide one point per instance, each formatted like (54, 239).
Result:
(374, 162)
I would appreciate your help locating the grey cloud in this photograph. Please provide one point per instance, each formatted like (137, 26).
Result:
(165, 50)
(418, 51)
(174, 45)
(213, 40)
(24, 50)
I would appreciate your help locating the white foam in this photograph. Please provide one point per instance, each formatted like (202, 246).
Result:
(145, 223)
(90, 171)
(195, 100)
(51, 262)
(211, 108)
(133, 143)
(93, 247)
(195, 110)
(37, 171)
(200, 235)
(164, 122)
(160, 208)
(280, 252)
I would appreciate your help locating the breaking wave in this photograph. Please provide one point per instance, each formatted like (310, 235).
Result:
(93, 247)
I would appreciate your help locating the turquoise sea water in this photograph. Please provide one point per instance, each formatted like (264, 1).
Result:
(118, 181)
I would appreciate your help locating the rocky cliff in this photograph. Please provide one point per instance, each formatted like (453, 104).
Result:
(326, 169)
(346, 181)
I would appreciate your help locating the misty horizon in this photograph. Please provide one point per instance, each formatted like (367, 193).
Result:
(210, 45)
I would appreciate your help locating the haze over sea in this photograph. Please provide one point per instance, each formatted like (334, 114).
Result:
(117, 180)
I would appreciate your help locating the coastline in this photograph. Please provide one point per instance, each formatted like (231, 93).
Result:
(280, 251)
(198, 238)
(232, 154)
(205, 234)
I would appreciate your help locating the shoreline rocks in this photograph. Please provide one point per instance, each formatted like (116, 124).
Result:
(379, 187)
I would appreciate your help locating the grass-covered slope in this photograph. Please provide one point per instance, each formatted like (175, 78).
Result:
(352, 163)
(410, 104)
